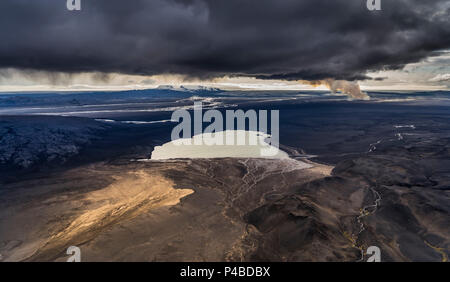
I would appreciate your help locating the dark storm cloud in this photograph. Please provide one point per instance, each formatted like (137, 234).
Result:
(283, 39)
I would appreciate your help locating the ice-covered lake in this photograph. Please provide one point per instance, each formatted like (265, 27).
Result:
(225, 144)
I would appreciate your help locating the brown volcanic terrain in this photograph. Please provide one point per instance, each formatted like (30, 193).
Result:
(225, 209)
(393, 194)
(132, 211)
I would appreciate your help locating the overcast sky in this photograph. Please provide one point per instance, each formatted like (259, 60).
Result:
(254, 44)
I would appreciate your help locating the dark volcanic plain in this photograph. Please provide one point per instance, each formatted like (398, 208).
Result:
(380, 177)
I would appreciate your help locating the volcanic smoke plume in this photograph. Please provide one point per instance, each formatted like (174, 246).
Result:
(351, 89)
